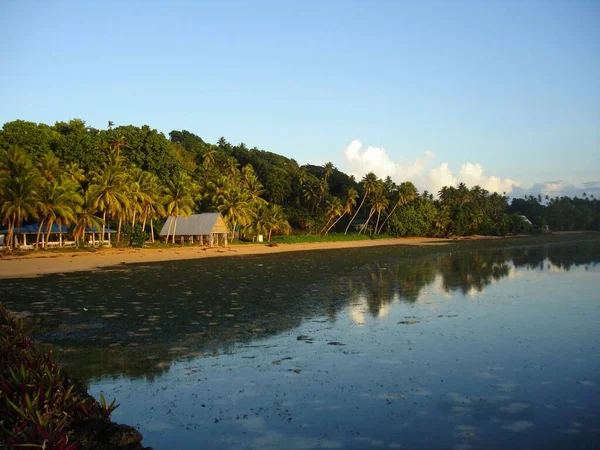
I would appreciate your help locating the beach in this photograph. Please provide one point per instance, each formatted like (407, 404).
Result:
(34, 264)
(41, 263)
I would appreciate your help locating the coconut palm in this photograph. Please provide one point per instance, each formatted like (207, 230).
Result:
(348, 205)
(369, 182)
(69, 205)
(109, 189)
(278, 223)
(231, 167)
(251, 182)
(59, 203)
(179, 200)
(328, 170)
(74, 172)
(236, 206)
(260, 221)
(406, 193)
(335, 209)
(442, 220)
(379, 203)
(19, 184)
(208, 157)
(49, 167)
(86, 219)
(142, 191)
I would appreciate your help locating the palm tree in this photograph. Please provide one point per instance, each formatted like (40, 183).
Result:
(407, 192)
(328, 170)
(348, 205)
(369, 182)
(302, 176)
(179, 200)
(231, 167)
(150, 201)
(252, 183)
(142, 191)
(335, 209)
(19, 183)
(260, 221)
(74, 172)
(86, 217)
(278, 223)
(442, 220)
(379, 203)
(49, 167)
(310, 192)
(108, 189)
(68, 205)
(208, 157)
(235, 204)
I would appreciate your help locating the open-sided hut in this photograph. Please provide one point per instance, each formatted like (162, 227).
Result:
(202, 228)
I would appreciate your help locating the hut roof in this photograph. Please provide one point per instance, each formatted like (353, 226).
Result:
(196, 225)
(34, 227)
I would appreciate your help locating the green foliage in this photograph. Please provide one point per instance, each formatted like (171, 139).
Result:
(39, 402)
(79, 176)
(308, 238)
(138, 237)
(417, 218)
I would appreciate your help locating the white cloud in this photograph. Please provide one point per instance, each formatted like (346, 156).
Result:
(376, 160)
(439, 177)
(559, 188)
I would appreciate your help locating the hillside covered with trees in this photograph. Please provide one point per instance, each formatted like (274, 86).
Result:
(131, 178)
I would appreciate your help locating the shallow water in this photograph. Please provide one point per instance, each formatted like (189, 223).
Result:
(338, 349)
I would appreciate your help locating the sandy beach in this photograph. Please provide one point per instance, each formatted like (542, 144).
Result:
(34, 264)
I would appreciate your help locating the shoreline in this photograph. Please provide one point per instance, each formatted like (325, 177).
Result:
(37, 264)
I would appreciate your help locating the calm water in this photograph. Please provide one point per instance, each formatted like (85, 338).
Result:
(340, 349)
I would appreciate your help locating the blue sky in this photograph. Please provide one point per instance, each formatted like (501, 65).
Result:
(511, 87)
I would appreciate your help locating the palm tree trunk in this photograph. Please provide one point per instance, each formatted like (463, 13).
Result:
(377, 223)
(144, 222)
(152, 231)
(103, 226)
(387, 218)
(10, 234)
(50, 223)
(133, 221)
(364, 227)
(18, 223)
(37, 238)
(356, 212)
(326, 225)
(119, 231)
(169, 229)
(333, 224)
(174, 229)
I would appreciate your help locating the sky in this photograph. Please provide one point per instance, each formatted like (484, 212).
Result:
(500, 93)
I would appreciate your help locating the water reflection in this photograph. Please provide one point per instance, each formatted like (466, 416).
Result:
(136, 320)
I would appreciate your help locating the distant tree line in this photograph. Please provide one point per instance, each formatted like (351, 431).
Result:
(127, 176)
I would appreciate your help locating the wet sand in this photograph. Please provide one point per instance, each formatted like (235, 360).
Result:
(34, 264)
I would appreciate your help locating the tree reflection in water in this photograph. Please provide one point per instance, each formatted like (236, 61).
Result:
(138, 319)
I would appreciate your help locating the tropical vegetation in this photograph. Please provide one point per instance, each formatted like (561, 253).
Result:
(80, 177)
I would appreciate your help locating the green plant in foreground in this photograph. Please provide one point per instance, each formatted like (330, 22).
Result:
(39, 402)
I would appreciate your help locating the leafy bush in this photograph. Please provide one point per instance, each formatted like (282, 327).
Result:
(39, 402)
(138, 237)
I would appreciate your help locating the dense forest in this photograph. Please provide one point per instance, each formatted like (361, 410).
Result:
(131, 178)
